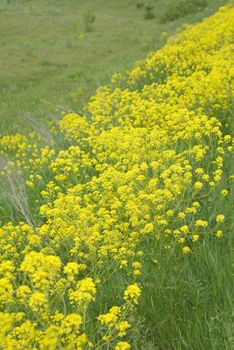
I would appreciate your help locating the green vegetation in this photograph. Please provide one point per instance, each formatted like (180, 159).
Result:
(180, 8)
(188, 301)
(51, 62)
(54, 55)
(89, 19)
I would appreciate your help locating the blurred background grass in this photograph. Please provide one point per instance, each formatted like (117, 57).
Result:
(51, 62)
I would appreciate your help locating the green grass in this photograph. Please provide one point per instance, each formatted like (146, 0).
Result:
(187, 301)
(50, 65)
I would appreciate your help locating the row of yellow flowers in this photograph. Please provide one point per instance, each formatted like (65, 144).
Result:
(138, 164)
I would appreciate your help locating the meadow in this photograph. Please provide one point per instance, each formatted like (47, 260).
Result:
(50, 64)
(116, 212)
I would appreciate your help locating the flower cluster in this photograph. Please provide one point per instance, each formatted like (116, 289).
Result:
(138, 166)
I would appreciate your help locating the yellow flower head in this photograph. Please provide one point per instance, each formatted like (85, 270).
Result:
(122, 345)
(220, 218)
(132, 293)
(186, 250)
(219, 233)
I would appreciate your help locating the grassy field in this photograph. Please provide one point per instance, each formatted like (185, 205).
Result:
(116, 226)
(49, 64)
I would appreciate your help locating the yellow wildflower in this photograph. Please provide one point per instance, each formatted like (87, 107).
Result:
(220, 218)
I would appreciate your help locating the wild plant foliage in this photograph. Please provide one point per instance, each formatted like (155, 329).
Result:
(139, 166)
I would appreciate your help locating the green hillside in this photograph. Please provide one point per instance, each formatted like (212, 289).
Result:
(49, 63)
(116, 175)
